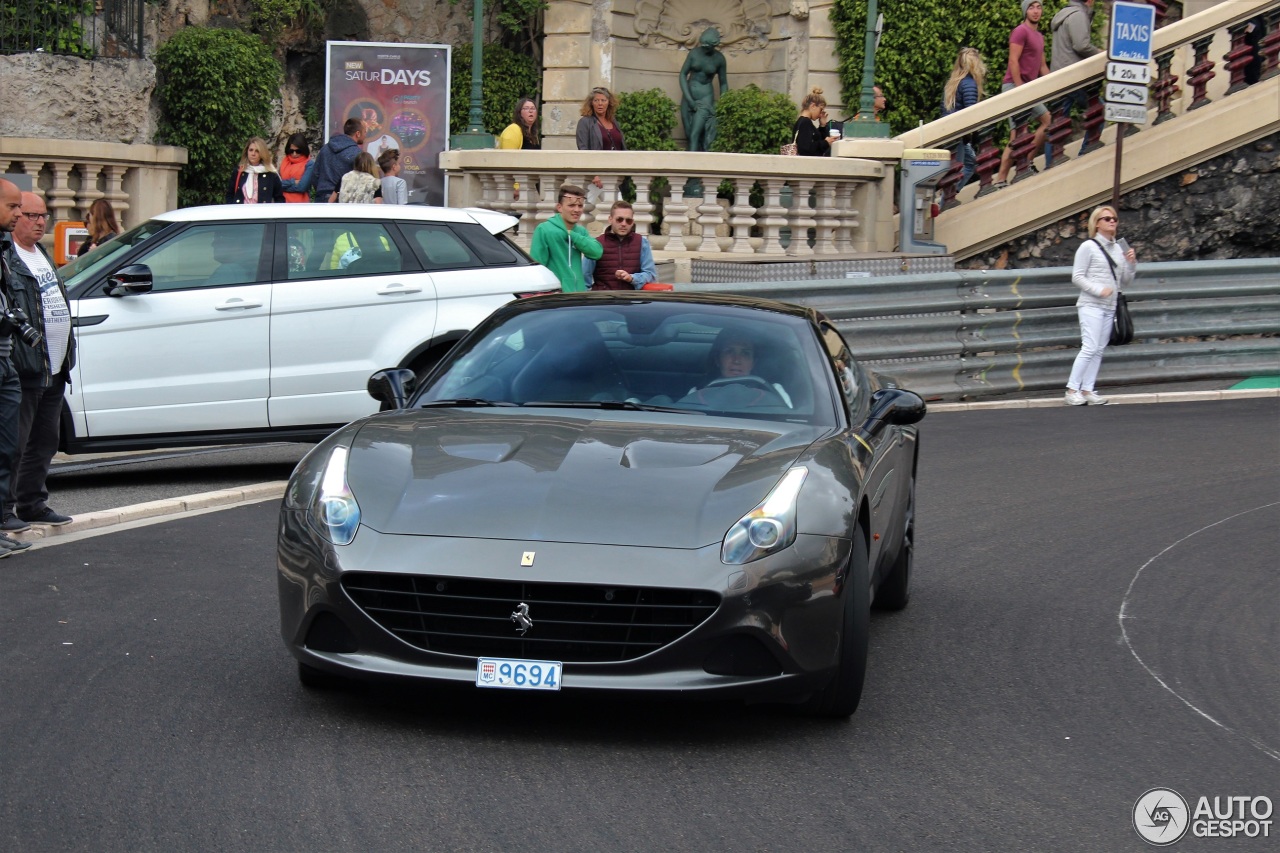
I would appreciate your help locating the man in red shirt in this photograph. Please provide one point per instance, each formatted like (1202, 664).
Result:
(1026, 63)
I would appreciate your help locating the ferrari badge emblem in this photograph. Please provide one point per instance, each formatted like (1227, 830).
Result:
(526, 559)
(521, 618)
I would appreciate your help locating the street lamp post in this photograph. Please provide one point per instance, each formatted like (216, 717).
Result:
(866, 125)
(475, 136)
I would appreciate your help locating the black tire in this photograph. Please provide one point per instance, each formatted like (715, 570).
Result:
(895, 590)
(318, 679)
(840, 698)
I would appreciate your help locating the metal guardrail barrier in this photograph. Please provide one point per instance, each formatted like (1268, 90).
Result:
(968, 333)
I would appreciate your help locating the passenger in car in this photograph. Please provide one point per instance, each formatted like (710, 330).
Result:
(237, 259)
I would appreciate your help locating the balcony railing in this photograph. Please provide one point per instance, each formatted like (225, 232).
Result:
(139, 180)
(108, 29)
(838, 203)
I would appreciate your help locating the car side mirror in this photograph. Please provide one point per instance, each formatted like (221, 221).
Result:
(129, 281)
(392, 387)
(895, 406)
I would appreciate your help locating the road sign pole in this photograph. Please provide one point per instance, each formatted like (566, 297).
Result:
(1115, 182)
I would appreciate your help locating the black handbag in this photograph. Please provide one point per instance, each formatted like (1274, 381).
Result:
(1122, 324)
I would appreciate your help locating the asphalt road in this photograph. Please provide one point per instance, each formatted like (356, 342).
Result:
(147, 702)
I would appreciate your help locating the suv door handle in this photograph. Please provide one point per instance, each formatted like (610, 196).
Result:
(397, 289)
(235, 304)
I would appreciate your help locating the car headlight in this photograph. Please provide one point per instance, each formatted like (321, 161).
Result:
(768, 528)
(333, 511)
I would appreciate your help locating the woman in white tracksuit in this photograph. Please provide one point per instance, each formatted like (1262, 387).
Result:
(1098, 281)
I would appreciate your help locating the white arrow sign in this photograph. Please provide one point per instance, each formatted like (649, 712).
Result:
(1126, 114)
(1122, 93)
(1128, 72)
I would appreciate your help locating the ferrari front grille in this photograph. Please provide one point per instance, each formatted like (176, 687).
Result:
(566, 622)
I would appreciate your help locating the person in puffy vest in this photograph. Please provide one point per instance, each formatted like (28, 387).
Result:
(627, 261)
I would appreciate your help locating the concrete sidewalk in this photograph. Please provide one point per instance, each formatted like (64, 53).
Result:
(102, 521)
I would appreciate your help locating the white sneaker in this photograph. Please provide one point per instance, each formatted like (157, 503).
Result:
(1093, 399)
(1075, 398)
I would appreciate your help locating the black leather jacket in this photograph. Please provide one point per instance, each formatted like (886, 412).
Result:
(33, 363)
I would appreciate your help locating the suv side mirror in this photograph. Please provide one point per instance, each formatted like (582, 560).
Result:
(392, 387)
(129, 281)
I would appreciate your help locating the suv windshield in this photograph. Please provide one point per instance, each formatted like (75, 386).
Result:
(86, 266)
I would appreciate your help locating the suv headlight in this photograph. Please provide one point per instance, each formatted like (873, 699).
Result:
(768, 528)
(334, 512)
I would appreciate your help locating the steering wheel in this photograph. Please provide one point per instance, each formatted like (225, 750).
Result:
(750, 380)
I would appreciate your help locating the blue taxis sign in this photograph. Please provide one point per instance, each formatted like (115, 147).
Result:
(1133, 25)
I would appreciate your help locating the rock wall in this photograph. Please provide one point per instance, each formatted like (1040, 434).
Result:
(63, 97)
(1223, 208)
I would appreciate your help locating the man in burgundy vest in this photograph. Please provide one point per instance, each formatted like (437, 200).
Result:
(627, 262)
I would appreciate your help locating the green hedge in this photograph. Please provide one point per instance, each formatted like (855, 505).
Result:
(217, 89)
(648, 118)
(508, 76)
(752, 120)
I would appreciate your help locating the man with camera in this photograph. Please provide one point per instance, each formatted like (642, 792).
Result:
(10, 387)
(43, 355)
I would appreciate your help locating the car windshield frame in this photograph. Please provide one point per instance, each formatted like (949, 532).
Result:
(104, 255)
(654, 355)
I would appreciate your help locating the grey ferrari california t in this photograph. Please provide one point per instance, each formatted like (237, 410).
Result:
(681, 494)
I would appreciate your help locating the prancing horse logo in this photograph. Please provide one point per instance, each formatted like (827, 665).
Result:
(521, 618)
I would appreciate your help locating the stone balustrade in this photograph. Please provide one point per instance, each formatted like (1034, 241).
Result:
(140, 181)
(843, 205)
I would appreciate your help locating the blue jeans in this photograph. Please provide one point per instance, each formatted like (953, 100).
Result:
(10, 414)
(969, 164)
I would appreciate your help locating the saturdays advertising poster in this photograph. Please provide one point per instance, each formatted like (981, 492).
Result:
(402, 93)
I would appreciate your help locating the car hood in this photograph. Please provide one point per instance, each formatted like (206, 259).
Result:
(620, 478)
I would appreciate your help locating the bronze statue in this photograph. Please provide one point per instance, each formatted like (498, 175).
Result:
(697, 83)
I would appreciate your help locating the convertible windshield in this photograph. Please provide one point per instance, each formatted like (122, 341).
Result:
(647, 356)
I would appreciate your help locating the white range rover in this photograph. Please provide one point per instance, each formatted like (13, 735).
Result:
(242, 323)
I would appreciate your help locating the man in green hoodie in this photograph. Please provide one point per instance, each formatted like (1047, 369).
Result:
(560, 242)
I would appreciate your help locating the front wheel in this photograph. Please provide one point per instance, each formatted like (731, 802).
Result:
(840, 698)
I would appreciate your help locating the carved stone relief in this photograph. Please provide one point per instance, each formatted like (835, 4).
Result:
(672, 24)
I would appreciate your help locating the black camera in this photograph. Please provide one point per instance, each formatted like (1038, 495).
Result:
(14, 321)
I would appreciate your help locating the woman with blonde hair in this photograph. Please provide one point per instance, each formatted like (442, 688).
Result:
(102, 225)
(810, 136)
(255, 180)
(363, 184)
(964, 89)
(1102, 266)
(598, 128)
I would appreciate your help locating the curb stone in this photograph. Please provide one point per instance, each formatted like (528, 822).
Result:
(1116, 400)
(154, 509)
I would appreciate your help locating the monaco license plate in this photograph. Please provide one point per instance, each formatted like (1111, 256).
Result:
(516, 674)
